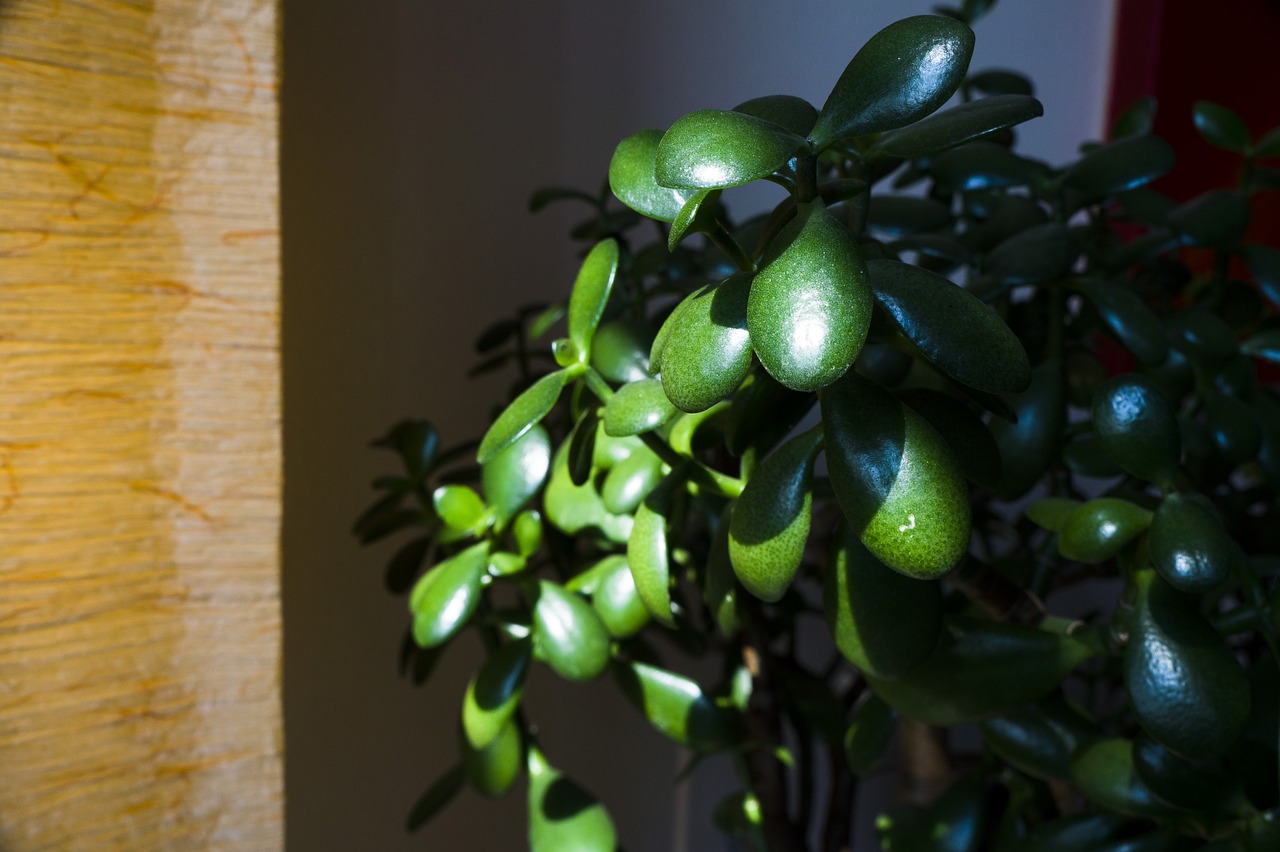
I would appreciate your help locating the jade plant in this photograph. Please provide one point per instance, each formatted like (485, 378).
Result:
(954, 465)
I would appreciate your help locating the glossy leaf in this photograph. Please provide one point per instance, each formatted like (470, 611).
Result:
(1232, 428)
(1204, 337)
(494, 767)
(895, 479)
(795, 114)
(982, 165)
(494, 693)
(675, 705)
(884, 623)
(1187, 689)
(522, 415)
(1103, 771)
(720, 586)
(810, 307)
(707, 350)
(960, 335)
(620, 350)
(1197, 785)
(563, 817)
(447, 595)
(1000, 82)
(1128, 317)
(459, 507)
(714, 149)
(870, 734)
(960, 124)
(1038, 254)
(968, 437)
(1052, 513)
(1216, 219)
(577, 508)
(1138, 428)
(905, 214)
(770, 521)
(616, 600)
(1188, 545)
(1137, 119)
(1040, 738)
(1220, 126)
(983, 668)
(903, 73)
(637, 407)
(631, 177)
(514, 475)
(695, 217)
(647, 552)
(436, 798)
(567, 634)
(1264, 345)
(1100, 528)
(630, 481)
(1121, 165)
(581, 458)
(591, 292)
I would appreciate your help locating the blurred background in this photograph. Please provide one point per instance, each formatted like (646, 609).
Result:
(413, 133)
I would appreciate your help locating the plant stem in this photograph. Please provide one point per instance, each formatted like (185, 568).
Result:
(840, 800)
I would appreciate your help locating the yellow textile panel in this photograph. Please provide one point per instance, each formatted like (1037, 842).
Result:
(139, 425)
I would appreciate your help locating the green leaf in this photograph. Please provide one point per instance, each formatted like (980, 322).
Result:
(441, 792)
(1028, 445)
(1220, 126)
(707, 350)
(631, 177)
(1000, 82)
(675, 705)
(514, 475)
(1039, 739)
(1128, 317)
(697, 216)
(563, 817)
(1137, 119)
(616, 600)
(637, 407)
(1052, 513)
(1189, 547)
(1100, 528)
(1204, 337)
(720, 586)
(443, 600)
(1138, 428)
(1103, 771)
(903, 73)
(895, 479)
(576, 508)
(982, 669)
(1040, 253)
(968, 437)
(1216, 219)
(567, 634)
(1186, 687)
(493, 768)
(870, 734)
(795, 114)
(494, 693)
(647, 551)
(1268, 145)
(1196, 785)
(620, 350)
(1121, 165)
(1264, 263)
(582, 446)
(982, 165)
(459, 507)
(522, 415)
(959, 124)
(1264, 345)
(955, 331)
(630, 481)
(904, 214)
(591, 292)
(810, 307)
(715, 149)
(770, 521)
(884, 623)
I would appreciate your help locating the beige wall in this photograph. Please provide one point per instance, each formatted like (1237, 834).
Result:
(139, 426)
(414, 132)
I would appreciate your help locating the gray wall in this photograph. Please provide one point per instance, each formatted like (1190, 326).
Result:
(413, 133)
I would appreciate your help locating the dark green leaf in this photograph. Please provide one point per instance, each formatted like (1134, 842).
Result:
(903, 73)
(1128, 317)
(968, 437)
(794, 114)
(514, 475)
(620, 350)
(563, 817)
(591, 292)
(1103, 771)
(1264, 345)
(1197, 785)
(1220, 126)
(436, 798)
(1268, 145)
(697, 216)
(1040, 253)
(384, 518)
(1100, 528)
(714, 149)
(982, 165)
(1001, 82)
(960, 124)
(1137, 119)
(494, 693)
(960, 335)
(567, 634)
(1264, 262)
(707, 352)
(637, 407)
(870, 734)
(1216, 219)
(631, 177)
(417, 442)
(1121, 165)
(1138, 427)
(904, 214)
(1189, 547)
(493, 768)
(675, 705)
(1052, 513)
(522, 415)
(1039, 739)
(647, 552)
(1028, 445)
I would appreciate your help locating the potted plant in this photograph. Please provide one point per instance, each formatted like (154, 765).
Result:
(923, 402)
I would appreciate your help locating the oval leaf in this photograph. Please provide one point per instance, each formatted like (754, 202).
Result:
(617, 602)
(1220, 126)
(443, 600)
(1028, 445)
(1126, 163)
(591, 292)
(707, 350)
(795, 114)
(1138, 428)
(562, 815)
(1216, 219)
(903, 73)
(647, 552)
(494, 693)
(810, 307)
(714, 149)
(951, 327)
(631, 177)
(637, 407)
(968, 437)
(567, 634)
(895, 479)
(1100, 528)
(1128, 317)
(1040, 253)
(523, 414)
(494, 768)
(770, 521)
(870, 734)
(1188, 545)
(960, 124)
(514, 475)
(675, 705)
